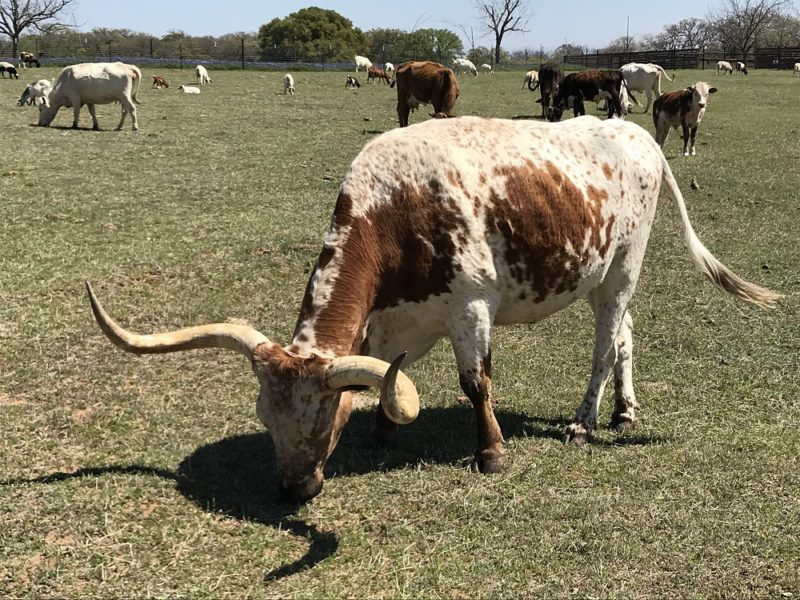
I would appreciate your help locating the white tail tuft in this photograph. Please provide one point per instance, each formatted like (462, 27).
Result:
(709, 265)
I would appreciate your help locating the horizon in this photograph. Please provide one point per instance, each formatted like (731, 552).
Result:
(595, 29)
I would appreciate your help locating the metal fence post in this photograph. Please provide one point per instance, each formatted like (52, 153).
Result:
(242, 41)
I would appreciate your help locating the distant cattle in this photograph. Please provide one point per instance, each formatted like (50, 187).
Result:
(201, 74)
(351, 83)
(423, 82)
(389, 68)
(189, 89)
(682, 108)
(91, 84)
(464, 65)
(724, 66)
(796, 70)
(28, 59)
(377, 73)
(594, 86)
(7, 67)
(362, 61)
(488, 68)
(550, 78)
(159, 82)
(531, 76)
(288, 84)
(644, 77)
(741, 68)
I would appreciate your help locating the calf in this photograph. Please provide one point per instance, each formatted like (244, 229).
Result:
(488, 68)
(588, 85)
(422, 82)
(684, 108)
(29, 59)
(389, 68)
(464, 65)
(374, 72)
(724, 66)
(7, 67)
(288, 84)
(741, 68)
(189, 89)
(550, 78)
(531, 76)
(351, 83)
(35, 91)
(159, 82)
(796, 71)
(201, 74)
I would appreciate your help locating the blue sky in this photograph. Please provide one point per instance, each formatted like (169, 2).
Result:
(553, 23)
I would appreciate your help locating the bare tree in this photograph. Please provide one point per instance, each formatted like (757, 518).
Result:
(18, 15)
(502, 17)
(739, 23)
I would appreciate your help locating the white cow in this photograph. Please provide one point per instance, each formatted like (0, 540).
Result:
(35, 91)
(644, 77)
(362, 61)
(189, 89)
(288, 84)
(531, 77)
(796, 72)
(725, 66)
(91, 84)
(201, 74)
(462, 64)
(389, 68)
(487, 67)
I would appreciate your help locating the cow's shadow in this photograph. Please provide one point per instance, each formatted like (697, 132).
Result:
(236, 476)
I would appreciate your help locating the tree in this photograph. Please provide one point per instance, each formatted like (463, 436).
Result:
(739, 23)
(311, 32)
(784, 30)
(18, 15)
(621, 44)
(502, 17)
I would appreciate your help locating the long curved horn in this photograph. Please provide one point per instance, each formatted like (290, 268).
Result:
(240, 338)
(399, 398)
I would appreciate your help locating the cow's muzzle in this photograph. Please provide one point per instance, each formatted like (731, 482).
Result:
(300, 492)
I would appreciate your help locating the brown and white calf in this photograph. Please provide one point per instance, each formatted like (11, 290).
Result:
(159, 82)
(374, 72)
(682, 108)
(423, 82)
(28, 59)
(444, 230)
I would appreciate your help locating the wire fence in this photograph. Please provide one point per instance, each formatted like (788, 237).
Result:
(760, 58)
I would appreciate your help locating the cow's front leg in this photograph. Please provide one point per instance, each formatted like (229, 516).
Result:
(76, 111)
(625, 403)
(686, 135)
(694, 135)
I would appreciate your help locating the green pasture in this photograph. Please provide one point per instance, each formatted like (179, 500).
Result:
(152, 477)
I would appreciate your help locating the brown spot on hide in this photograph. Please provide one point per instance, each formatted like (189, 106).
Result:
(543, 218)
(403, 251)
(278, 360)
(607, 171)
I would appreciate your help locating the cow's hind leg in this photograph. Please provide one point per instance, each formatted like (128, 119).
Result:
(609, 302)
(624, 398)
(470, 335)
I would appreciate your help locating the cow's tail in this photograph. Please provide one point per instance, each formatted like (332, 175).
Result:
(709, 265)
(663, 71)
(137, 79)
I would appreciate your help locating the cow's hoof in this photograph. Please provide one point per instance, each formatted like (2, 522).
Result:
(622, 422)
(488, 461)
(576, 433)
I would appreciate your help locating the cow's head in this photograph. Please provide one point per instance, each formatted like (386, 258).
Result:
(304, 401)
(47, 112)
(554, 112)
(700, 92)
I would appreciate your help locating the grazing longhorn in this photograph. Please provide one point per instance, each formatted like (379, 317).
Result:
(443, 230)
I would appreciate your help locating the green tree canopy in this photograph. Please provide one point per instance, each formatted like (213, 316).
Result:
(311, 32)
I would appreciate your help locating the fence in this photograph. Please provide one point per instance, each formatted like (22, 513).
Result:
(761, 58)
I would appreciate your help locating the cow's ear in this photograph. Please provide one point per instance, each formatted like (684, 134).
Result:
(690, 88)
(712, 90)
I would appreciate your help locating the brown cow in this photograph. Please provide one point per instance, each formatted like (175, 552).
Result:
(159, 82)
(423, 82)
(376, 73)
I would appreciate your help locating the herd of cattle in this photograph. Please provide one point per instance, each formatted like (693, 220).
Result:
(444, 230)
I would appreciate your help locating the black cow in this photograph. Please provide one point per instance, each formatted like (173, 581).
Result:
(550, 77)
(593, 86)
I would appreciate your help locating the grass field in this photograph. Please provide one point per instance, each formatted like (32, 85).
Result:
(124, 477)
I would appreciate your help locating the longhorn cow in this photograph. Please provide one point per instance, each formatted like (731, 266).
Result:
(423, 245)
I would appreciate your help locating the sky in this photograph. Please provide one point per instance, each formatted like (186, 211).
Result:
(585, 23)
